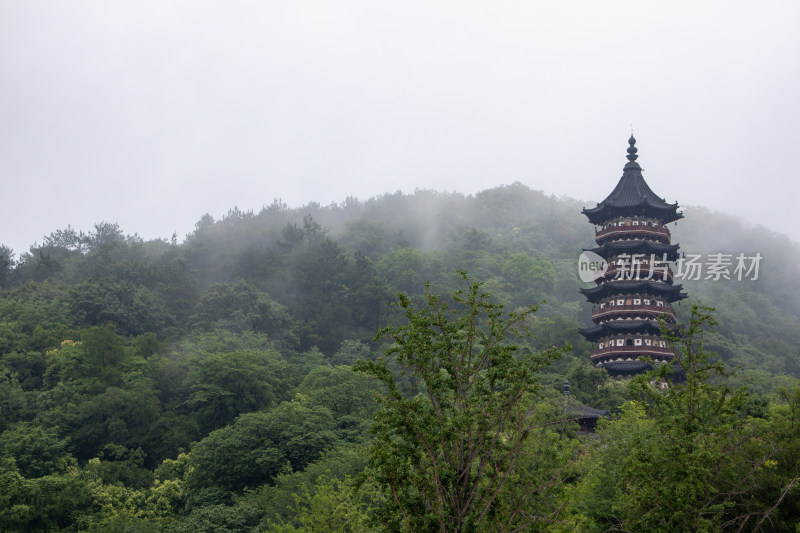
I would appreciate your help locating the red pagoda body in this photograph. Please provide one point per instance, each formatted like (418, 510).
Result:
(637, 287)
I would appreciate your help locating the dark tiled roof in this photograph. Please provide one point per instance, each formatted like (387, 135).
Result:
(617, 327)
(631, 367)
(628, 367)
(657, 288)
(632, 196)
(636, 246)
(576, 409)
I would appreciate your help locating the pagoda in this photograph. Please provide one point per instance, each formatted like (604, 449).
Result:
(636, 288)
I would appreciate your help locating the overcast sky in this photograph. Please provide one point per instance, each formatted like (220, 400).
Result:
(151, 114)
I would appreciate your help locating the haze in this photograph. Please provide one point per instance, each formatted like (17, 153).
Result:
(151, 114)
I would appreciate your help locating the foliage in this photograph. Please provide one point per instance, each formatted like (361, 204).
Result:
(445, 455)
(129, 368)
(680, 456)
(257, 447)
(331, 505)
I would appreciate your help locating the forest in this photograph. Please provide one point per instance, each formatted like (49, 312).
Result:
(393, 364)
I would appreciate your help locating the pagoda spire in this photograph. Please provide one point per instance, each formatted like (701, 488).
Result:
(632, 149)
(632, 196)
(632, 165)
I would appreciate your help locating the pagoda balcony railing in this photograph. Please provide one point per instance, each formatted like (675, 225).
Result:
(630, 270)
(631, 351)
(621, 231)
(599, 312)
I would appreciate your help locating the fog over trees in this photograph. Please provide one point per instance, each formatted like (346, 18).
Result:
(210, 384)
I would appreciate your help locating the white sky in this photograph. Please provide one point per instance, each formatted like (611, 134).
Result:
(151, 114)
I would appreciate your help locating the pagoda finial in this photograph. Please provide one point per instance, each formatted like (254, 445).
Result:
(632, 149)
(566, 387)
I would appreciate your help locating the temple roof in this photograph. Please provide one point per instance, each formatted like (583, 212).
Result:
(619, 327)
(574, 408)
(634, 286)
(636, 246)
(632, 196)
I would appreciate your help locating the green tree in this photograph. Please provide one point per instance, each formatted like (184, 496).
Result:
(680, 457)
(221, 386)
(333, 506)
(239, 307)
(47, 503)
(340, 390)
(350, 352)
(6, 265)
(37, 451)
(256, 447)
(445, 456)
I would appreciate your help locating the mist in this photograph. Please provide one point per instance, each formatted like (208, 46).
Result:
(153, 114)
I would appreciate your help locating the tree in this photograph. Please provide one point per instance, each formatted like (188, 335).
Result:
(6, 265)
(46, 503)
(330, 506)
(223, 386)
(241, 306)
(447, 456)
(256, 447)
(682, 456)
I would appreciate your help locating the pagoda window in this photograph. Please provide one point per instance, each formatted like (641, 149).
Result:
(646, 301)
(659, 303)
(635, 222)
(601, 345)
(661, 344)
(602, 306)
(637, 342)
(620, 342)
(648, 342)
(620, 302)
(637, 301)
(629, 342)
(628, 301)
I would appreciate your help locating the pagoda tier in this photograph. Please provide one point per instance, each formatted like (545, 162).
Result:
(637, 271)
(626, 229)
(627, 369)
(638, 246)
(632, 197)
(615, 328)
(604, 311)
(633, 287)
(633, 294)
(660, 353)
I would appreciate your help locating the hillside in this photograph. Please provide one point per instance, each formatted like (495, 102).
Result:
(125, 361)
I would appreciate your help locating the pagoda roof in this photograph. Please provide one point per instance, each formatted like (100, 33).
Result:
(632, 196)
(671, 293)
(618, 327)
(632, 366)
(635, 366)
(574, 408)
(636, 246)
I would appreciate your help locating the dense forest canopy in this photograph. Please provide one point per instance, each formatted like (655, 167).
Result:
(208, 384)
